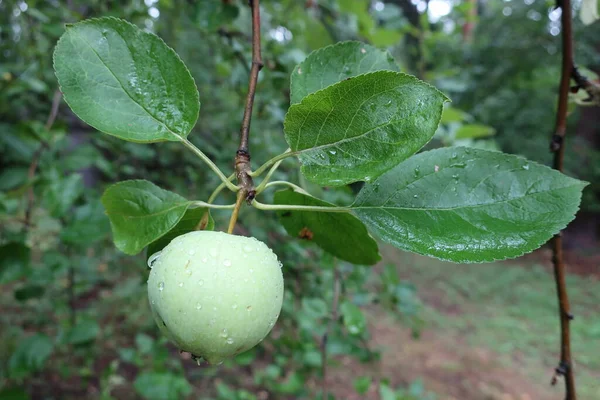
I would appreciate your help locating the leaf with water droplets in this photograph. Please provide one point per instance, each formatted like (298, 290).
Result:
(334, 63)
(361, 127)
(191, 221)
(140, 212)
(469, 205)
(125, 82)
(341, 234)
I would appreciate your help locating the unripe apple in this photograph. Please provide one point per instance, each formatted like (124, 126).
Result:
(215, 295)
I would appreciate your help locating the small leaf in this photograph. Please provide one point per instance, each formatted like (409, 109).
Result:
(361, 127)
(125, 82)
(469, 205)
(89, 225)
(354, 320)
(161, 386)
(341, 234)
(140, 212)
(29, 292)
(85, 331)
(30, 355)
(188, 223)
(474, 131)
(332, 64)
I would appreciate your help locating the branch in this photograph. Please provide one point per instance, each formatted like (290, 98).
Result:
(565, 367)
(334, 317)
(242, 156)
(35, 160)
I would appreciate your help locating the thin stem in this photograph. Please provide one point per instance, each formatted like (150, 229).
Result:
(286, 183)
(236, 211)
(293, 207)
(265, 166)
(210, 164)
(334, 317)
(242, 155)
(202, 204)
(565, 367)
(218, 190)
(257, 65)
(267, 178)
(35, 160)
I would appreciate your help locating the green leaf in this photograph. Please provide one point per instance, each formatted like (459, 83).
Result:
(188, 223)
(62, 193)
(30, 355)
(452, 114)
(89, 225)
(85, 331)
(362, 384)
(469, 205)
(14, 262)
(29, 292)
(140, 212)
(341, 234)
(332, 64)
(125, 82)
(354, 320)
(363, 126)
(474, 131)
(14, 393)
(161, 386)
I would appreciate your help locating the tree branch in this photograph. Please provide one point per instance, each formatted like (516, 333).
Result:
(565, 367)
(334, 318)
(242, 156)
(35, 160)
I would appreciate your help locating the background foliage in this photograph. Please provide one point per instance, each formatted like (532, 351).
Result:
(75, 323)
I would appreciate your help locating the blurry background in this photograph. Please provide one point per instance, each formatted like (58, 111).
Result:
(73, 310)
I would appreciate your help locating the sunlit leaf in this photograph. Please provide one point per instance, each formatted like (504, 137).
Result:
(363, 126)
(354, 320)
(469, 205)
(125, 82)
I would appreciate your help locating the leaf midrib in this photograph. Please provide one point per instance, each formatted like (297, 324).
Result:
(460, 207)
(123, 87)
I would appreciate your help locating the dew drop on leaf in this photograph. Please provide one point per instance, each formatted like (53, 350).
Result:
(161, 286)
(153, 258)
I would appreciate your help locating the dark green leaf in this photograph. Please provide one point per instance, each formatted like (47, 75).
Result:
(29, 292)
(14, 261)
(14, 393)
(188, 223)
(140, 212)
(161, 386)
(361, 127)
(362, 384)
(85, 331)
(30, 355)
(13, 177)
(341, 234)
(88, 226)
(125, 82)
(354, 320)
(469, 205)
(332, 64)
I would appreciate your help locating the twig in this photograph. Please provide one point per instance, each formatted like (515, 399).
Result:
(35, 160)
(242, 156)
(334, 318)
(565, 367)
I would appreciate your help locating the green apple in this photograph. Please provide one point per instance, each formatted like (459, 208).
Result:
(215, 295)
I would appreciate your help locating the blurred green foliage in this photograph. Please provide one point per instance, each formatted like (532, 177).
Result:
(74, 309)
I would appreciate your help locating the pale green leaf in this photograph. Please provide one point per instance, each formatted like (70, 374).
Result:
(363, 126)
(474, 131)
(354, 320)
(125, 82)
(340, 234)
(332, 64)
(469, 205)
(590, 11)
(140, 212)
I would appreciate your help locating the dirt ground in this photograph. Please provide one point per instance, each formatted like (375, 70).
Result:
(447, 364)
